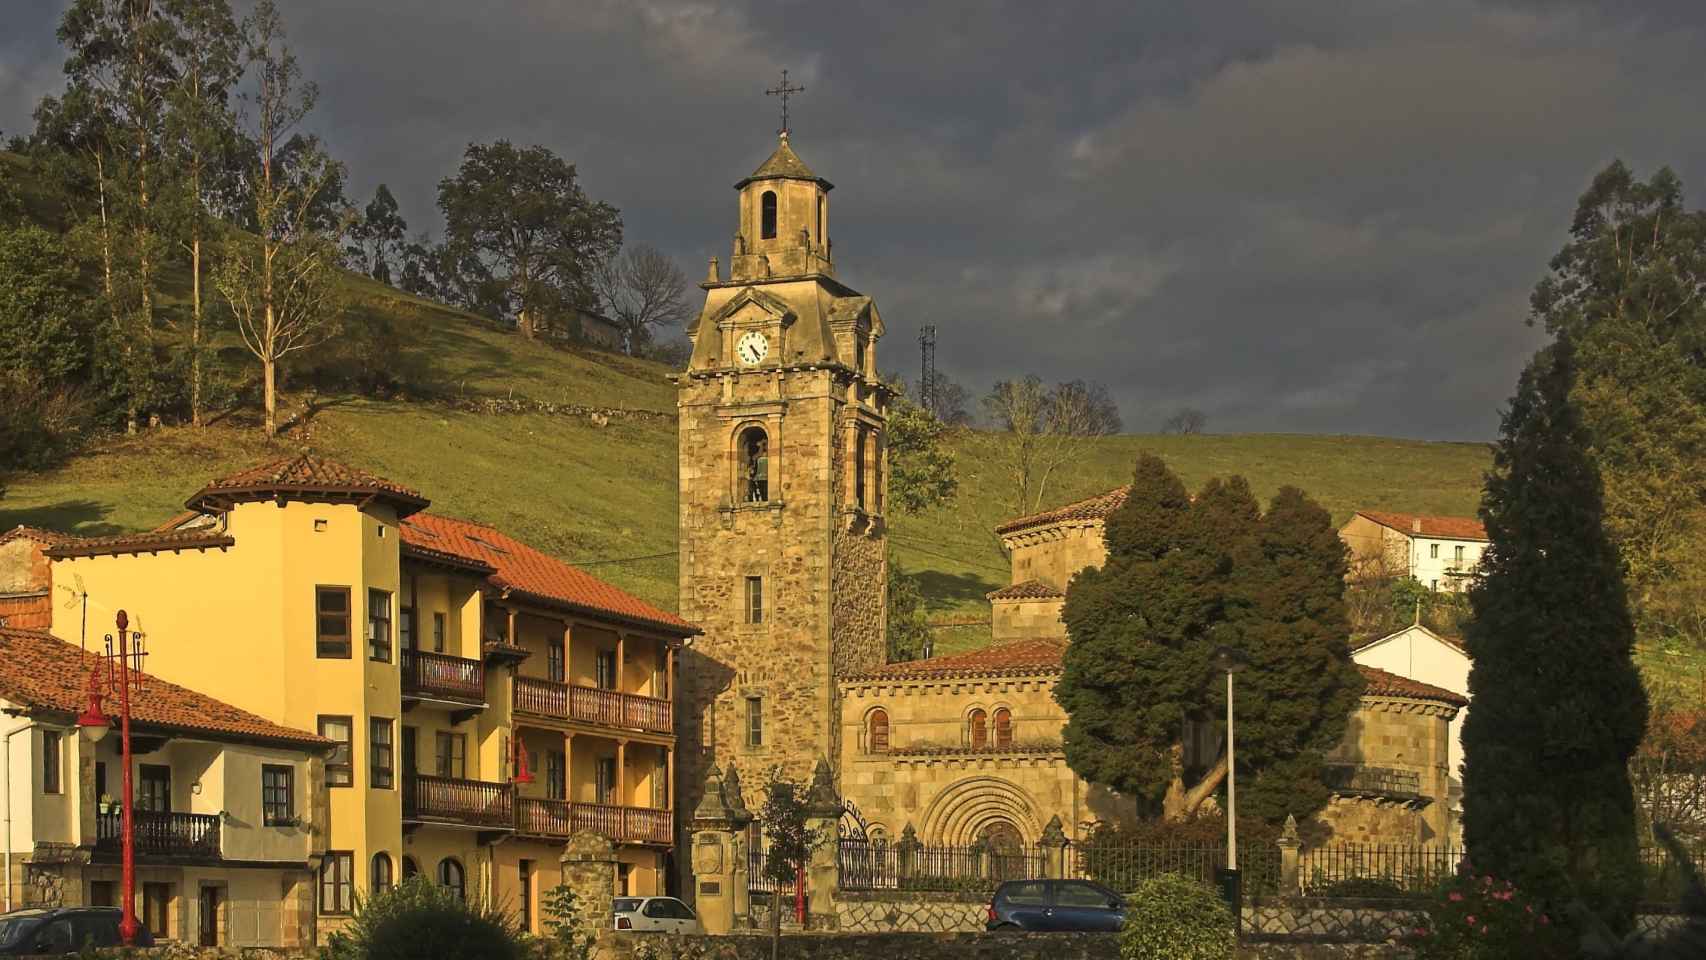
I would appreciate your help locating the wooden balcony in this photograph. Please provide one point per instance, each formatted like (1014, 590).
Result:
(591, 705)
(471, 803)
(161, 835)
(439, 676)
(559, 818)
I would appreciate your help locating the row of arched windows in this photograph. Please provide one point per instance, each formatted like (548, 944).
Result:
(450, 874)
(977, 729)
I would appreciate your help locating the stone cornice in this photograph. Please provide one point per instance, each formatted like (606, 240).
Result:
(1390, 704)
(946, 686)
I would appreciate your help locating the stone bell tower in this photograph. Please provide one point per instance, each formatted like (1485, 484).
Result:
(783, 479)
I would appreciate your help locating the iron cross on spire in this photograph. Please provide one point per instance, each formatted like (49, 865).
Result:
(784, 90)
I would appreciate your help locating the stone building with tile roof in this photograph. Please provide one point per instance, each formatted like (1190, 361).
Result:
(231, 807)
(485, 699)
(1440, 552)
(967, 747)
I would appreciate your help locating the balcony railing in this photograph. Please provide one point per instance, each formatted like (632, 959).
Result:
(443, 676)
(476, 803)
(559, 818)
(608, 708)
(161, 834)
(1375, 781)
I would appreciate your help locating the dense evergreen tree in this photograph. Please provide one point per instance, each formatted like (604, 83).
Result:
(1559, 707)
(1143, 696)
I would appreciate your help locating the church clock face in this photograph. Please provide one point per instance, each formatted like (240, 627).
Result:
(752, 348)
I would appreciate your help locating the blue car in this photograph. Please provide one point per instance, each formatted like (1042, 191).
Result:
(1054, 906)
(62, 931)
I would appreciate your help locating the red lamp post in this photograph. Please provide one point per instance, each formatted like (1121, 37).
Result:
(95, 724)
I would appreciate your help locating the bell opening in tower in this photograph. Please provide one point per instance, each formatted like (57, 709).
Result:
(767, 214)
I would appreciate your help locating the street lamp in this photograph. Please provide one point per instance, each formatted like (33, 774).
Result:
(94, 723)
(1230, 660)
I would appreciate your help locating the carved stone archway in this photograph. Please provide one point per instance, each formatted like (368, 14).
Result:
(962, 811)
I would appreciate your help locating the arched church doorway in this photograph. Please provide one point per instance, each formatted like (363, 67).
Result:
(1006, 850)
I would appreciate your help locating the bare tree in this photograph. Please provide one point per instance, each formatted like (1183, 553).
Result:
(1188, 420)
(642, 289)
(279, 285)
(1042, 428)
(949, 402)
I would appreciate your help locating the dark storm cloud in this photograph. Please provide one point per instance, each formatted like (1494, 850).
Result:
(1296, 219)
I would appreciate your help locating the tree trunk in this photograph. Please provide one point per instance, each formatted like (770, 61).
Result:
(112, 296)
(1181, 802)
(775, 921)
(524, 323)
(195, 327)
(268, 372)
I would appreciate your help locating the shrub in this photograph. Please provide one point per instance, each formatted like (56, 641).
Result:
(1174, 918)
(569, 933)
(1478, 917)
(418, 920)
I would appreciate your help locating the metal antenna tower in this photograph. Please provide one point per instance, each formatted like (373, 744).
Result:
(927, 375)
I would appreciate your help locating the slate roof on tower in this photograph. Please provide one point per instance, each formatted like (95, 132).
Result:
(784, 164)
(518, 568)
(40, 672)
(304, 477)
(1422, 525)
(1097, 507)
(1032, 589)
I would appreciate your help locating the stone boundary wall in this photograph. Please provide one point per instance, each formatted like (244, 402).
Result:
(880, 911)
(951, 946)
(1339, 918)
(600, 416)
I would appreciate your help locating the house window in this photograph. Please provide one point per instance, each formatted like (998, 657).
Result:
(1003, 728)
(1433, 585)
(525, 867)
(453, 755)
(859, 467)
(1457, 553)
(101, 782)
(331, 618)
(381, 878)
(379, 625)
(604, 669)
(156, 905)
(155, 791)
(767, 215)
(50, 754)
(755, 465)
(879, 732)
(337, 882)
(554, 661)
(381, 766)
(438, 633)
(979, 730)
(278, 798)
(754, 599)
(410, 868)
(406, 628)
(556, 775)
(450, 877)
(339, 770)
(604, 780)
(1433, 551)
(754, 721)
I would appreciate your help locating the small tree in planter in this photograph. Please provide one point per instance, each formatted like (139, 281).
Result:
(789, 841)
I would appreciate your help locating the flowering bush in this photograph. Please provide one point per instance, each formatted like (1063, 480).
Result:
(1175, 918)
(1478, 917)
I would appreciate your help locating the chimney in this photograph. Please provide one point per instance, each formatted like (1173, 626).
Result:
(1416, 525)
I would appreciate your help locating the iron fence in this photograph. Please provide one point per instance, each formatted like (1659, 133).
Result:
(875, 865)
(1376, 869)
(1122, 866)
(1664, 878)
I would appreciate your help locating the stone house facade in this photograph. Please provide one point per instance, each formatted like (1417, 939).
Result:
(1440, 552)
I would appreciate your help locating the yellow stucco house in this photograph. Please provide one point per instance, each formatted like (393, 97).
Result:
(483, 699)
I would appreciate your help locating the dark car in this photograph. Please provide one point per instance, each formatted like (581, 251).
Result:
(1054, 905)
(67, 930)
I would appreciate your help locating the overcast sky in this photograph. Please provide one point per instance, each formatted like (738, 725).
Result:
(1293, 217)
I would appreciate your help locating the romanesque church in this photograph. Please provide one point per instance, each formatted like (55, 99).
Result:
(782, 553)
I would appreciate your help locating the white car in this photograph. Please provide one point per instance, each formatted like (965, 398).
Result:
(655, 915)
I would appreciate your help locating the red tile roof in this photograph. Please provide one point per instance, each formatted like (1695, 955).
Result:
(1027, 590)
(150, 542)
(34, 533)
(1445, 528)
(42, 672)
(304, 476)
(1379, 683)
(519, 568)
(1022, 658)
(1091, 508)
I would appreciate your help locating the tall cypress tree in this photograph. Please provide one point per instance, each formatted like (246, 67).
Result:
(1559, 707)
(1182, 579)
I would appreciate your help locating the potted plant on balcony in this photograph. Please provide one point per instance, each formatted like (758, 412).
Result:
(106, 804)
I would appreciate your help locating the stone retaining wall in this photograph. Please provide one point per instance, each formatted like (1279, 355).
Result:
(951, 946)
(1346, 919)
(890, 910)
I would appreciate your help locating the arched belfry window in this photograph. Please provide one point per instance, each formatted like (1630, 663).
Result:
(1003, 728)
(878, 738)
(979, 730)
(820, 220)
(767, 214)
(754, 469)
